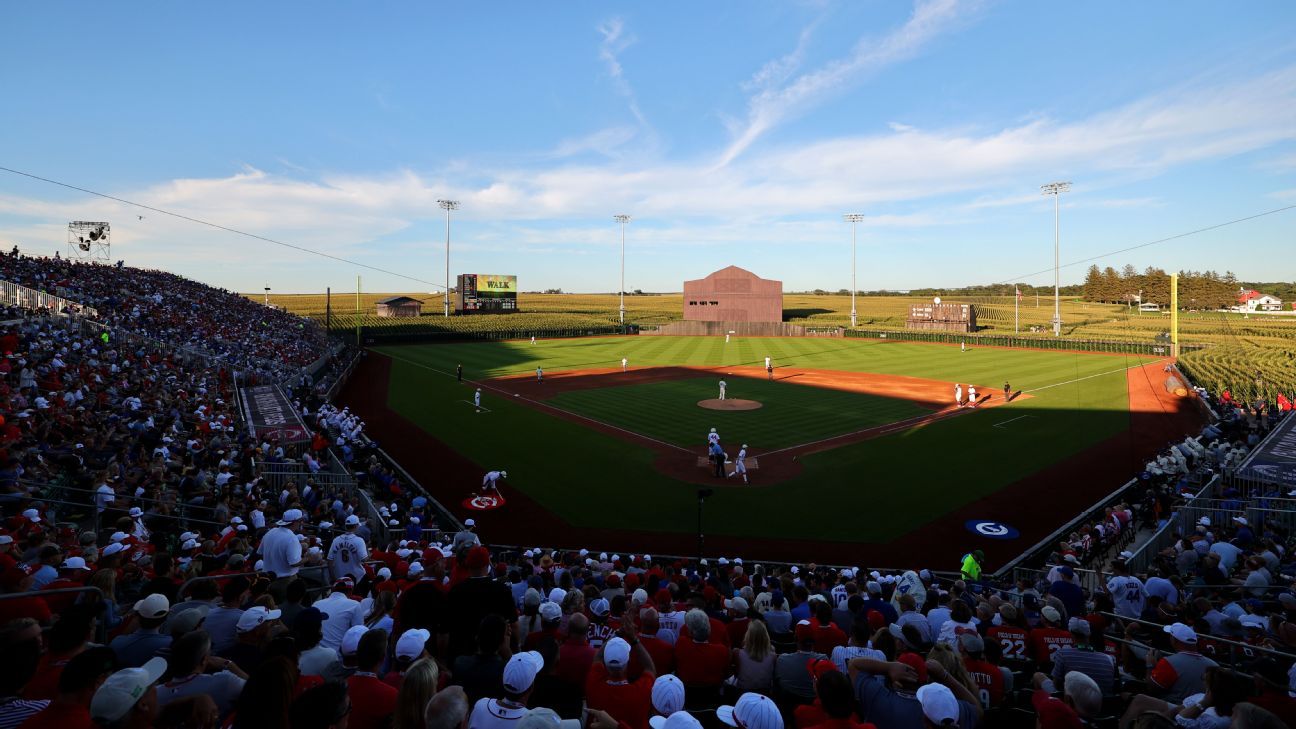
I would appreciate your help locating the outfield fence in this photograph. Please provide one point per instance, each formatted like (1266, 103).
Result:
(1155, 348)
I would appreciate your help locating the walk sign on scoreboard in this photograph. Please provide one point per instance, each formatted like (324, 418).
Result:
(486, 293)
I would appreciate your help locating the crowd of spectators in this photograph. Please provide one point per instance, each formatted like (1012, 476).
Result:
(157, 573)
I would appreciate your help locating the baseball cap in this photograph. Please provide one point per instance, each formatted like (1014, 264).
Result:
(738, 603)
(254, 617)
(599, 607)
(154, 606)
(521, 670)
(677, 720)
(74, 563)
(972, 643)
(1078, 625)
(118, 694)
(541, 718)
(1181, 633)
(817, 667)
(938, 704)
(477, 558)
(752, 711)
(353, 520)
(616, 653)
(549, 611)
(1066, 571)
(1051, 614)
(308, 615)
(412, 643)
(6, 539)
(32, 515)
(415, 568)
(291, 516)
(668, 694)
(351, 640)
(557, 595)
(187, 621)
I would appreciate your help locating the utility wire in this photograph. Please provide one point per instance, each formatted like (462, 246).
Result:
(225, 228)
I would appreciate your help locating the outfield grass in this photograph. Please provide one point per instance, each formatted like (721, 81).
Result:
(791, 414)
(893, 484)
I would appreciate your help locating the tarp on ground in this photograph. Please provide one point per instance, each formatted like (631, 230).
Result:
(1274, 459)
(270, 414)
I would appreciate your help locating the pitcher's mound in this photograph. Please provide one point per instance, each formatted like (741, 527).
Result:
(729, 404)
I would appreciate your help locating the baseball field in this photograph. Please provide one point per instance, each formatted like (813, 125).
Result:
(847, 433)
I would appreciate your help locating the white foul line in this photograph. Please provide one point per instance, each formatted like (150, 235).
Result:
(1019, 417)
(538, 403)
(1090, 377)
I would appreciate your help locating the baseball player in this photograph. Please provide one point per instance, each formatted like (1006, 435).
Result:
(539, 375)
(490, 482)
(972, 398)
(477, 399)
(722, 389)
(459, 372)
(1007, 391)
(958, 394)
(726, 340)
(712, 438)
(963, 346)
(624, 363)
(767, 361)
(533, 339)
(740, 466)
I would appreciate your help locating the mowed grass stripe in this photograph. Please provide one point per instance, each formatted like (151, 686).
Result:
(792, 414)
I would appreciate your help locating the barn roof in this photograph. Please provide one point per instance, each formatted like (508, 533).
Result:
(399, 300)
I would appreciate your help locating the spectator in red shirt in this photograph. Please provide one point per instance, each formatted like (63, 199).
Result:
(69, 636)
(70, 708)
(988, 678)
(609, 688)
(372, 700)
(700, 664)
(1045, 640)
(826, 634)
(575, 655)
(836, 701)
(663, 653)
(738, 620)
(1271, 690)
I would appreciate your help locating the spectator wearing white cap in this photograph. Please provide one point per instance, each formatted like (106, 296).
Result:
(751, 711)
(894, 703)
(1084, 657)
(136, 648)
(194, 670)
(128, 699)
(518, 681)
(253, 630)
(676, 720)
(281, 549)
(609, 688)
(1179, 674)
(348, 551)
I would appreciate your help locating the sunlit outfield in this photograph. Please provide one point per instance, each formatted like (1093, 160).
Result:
(911, 477)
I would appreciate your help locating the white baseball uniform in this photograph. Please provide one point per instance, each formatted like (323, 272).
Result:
(958, 395)
(726, 339)
(489, 481)
(539, 374)
(722, 389)
(767, 362)
(713, 438)
(972, 394)
(740, 465)
(624, 362)
(477, 398)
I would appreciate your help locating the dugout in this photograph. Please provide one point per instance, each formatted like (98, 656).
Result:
(733, 294)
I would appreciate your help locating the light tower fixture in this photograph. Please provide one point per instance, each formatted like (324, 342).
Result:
(1056, 189)
(447, 206)
(853, 219)
(623, 220)
(267, 295)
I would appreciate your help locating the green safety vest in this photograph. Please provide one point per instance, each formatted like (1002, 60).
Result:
(971, 568)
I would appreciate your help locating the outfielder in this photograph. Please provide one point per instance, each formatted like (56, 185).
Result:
(958, 394)
(539, 375)
(722, 389)
(477, 399)
(624, 363)
(490, 482)
(740, 465)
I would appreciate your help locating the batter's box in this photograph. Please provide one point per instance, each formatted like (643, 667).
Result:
(752, 464)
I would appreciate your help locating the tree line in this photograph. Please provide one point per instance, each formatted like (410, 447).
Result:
(1197, 289)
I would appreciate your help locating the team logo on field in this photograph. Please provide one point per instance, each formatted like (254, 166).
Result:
(992, 529)
(484, 502)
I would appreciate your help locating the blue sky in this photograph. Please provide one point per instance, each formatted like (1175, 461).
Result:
(732, 132)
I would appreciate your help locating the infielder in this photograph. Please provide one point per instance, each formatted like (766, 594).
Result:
(539, 375)
(722, 389)
(767, 361)
(958, 394)
(490, 482)
(624, 363)
(477, 399)
(972, 399)
(740, 465)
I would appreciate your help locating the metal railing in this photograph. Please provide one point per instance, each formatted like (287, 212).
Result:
(13, 294)
(1236, 652)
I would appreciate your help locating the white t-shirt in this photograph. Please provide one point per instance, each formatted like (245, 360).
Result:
(490, 714)
(316, 661)
(104, 495)
(347, 554)
(343, 613)
(1129, 594)
(281, 551)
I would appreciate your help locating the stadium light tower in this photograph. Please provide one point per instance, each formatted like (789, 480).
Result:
(622, 219)
(1056, 189)
(447, 206)
(853, 219)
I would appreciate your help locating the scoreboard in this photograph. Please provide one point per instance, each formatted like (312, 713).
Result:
(486, 293)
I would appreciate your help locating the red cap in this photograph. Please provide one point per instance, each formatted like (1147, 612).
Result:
(663, 596)
(804, 631)
(819, 666)
(1052, 713)
(614, 580)
(710, 594)
(632, 581)
(477, 558)
(876, 620)
(916, 662)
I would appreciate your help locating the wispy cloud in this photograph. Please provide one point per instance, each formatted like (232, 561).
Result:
(615, 41)
(776, 101)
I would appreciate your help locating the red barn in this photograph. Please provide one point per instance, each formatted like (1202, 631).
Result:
(733, 294)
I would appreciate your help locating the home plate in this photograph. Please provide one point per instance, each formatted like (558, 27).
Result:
(752, 464)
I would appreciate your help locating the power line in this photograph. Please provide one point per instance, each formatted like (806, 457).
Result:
(225, 228)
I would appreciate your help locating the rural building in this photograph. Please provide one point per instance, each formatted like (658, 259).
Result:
(1251, 300)
(733, 294)
(400, 307)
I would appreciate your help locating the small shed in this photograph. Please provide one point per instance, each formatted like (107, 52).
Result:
(399, 307)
